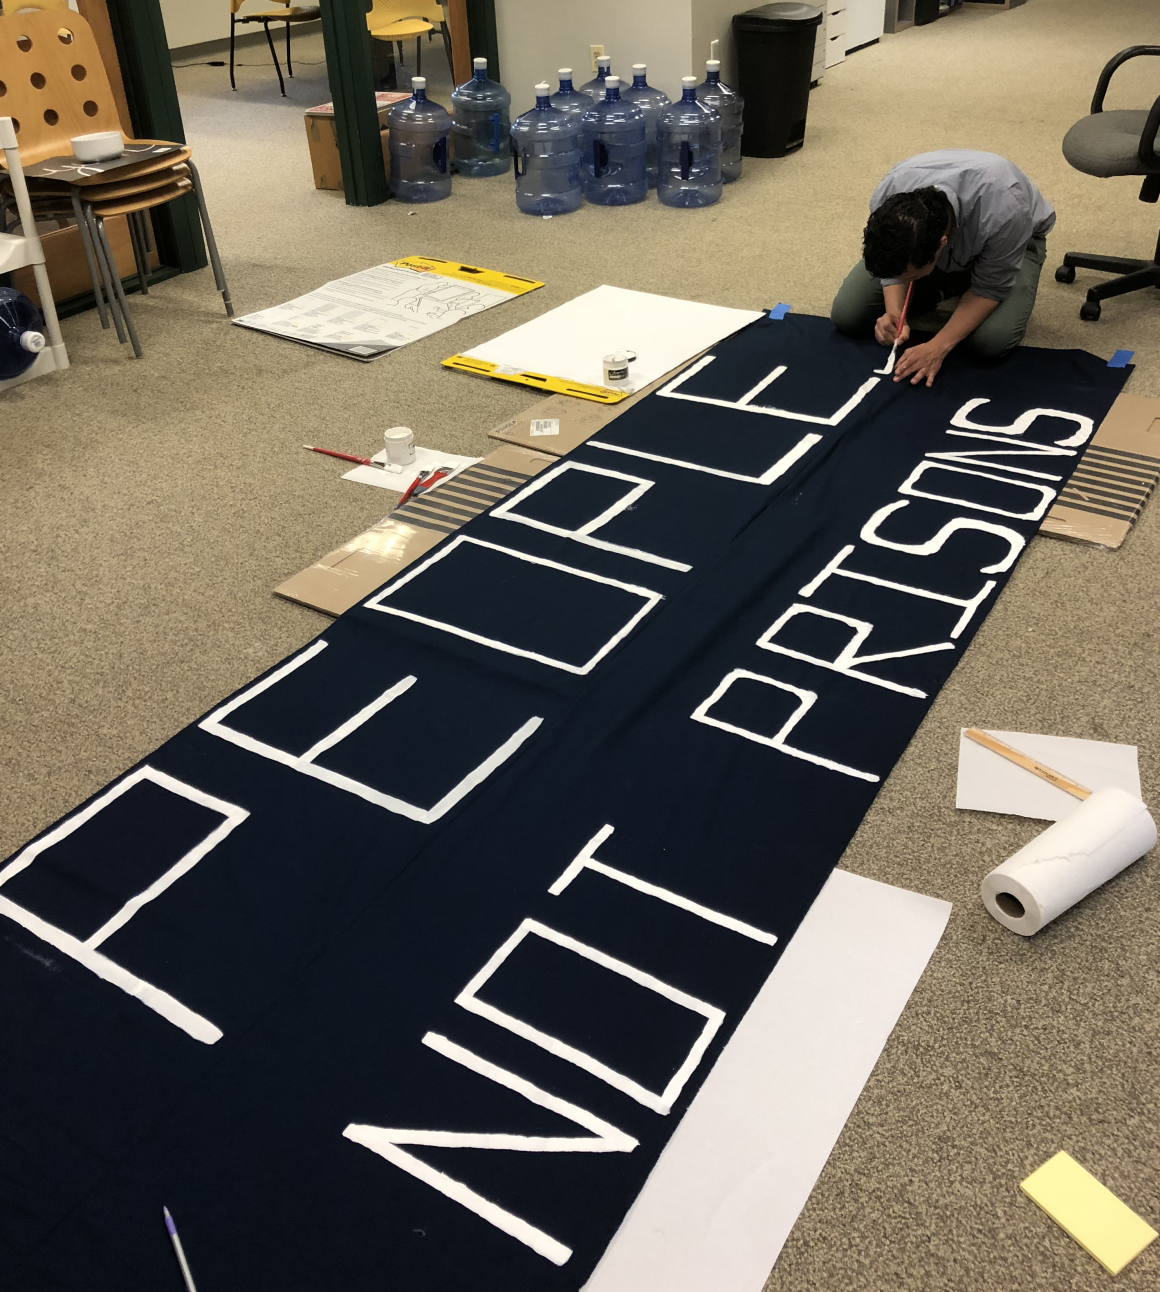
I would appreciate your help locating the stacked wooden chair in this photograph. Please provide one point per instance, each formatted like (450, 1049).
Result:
(54, 86)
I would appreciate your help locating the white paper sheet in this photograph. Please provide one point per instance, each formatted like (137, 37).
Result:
(571, 341)
(401, 481)
(721, 1201)
(989, 783)
(367, 314)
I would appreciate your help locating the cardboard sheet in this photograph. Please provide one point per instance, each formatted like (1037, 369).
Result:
(720, 1203)
(1114, 479)
(570, 341)
(576, 419)
(1080, 1205)
(987, 782)
(401, 481)
(342, 578)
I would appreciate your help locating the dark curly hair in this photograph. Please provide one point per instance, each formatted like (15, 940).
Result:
(905, 230)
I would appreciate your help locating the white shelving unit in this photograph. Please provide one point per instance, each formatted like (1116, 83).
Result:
(19, 252)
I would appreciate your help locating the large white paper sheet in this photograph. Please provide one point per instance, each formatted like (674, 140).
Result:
(369, 313)
(988, 782)
(570, 342)
(721, 1201)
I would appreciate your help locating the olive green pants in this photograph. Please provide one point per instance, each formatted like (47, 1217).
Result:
(860, 303)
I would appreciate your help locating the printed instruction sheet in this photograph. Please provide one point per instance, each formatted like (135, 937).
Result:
(368, 314)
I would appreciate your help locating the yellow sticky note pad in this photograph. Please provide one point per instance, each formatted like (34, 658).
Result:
(1102, 1225)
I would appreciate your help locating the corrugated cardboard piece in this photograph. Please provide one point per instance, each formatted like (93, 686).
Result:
(1114, 479)
(579, 419)
(342, 578)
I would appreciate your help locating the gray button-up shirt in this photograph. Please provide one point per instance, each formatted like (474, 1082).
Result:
(998, 210)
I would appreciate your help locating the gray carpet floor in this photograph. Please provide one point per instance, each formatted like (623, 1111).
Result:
(149, 508)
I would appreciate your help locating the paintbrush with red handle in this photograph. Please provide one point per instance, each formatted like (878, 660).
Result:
(346, 457)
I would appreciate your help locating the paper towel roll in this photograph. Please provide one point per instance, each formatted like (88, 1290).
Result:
(1070, 859)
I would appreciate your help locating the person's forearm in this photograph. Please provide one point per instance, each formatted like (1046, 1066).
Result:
(895, 296)
(969, 313)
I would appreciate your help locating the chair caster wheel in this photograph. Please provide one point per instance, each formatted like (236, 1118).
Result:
(1089, 311)
(1065, 274)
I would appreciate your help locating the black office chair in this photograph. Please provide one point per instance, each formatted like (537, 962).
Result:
(1115, 143)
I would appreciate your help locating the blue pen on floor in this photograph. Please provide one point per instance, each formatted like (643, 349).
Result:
(176, 1241)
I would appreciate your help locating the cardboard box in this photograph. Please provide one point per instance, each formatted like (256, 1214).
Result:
(1114, 478)
(322, 139)
(343, 578)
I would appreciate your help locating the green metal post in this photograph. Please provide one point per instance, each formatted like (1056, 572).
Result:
(484, 38)
(143, 53)
(356, 119)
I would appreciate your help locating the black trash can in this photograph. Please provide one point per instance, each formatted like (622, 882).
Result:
(775, 59)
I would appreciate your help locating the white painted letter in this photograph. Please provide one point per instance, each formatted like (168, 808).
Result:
(1015, 541)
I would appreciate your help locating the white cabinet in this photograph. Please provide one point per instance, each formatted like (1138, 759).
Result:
(865, 20)
(835, 33)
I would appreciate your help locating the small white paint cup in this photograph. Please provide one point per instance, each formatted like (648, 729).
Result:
(104, 145)
(615, 368)
(400, 445)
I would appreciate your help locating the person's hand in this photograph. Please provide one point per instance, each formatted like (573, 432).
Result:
(886, 330)
(920, 363)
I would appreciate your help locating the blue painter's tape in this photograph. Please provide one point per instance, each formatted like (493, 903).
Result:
(1120, 359)
(779, 311)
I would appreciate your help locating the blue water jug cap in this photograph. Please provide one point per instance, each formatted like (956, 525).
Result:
(689, 89)
(543, 90)
(480, 66)
(419, 88)
(611, 89)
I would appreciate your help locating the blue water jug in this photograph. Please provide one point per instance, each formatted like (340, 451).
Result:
(481, 124)
(730, 105)
(652, 103)
(689, 137)
(566, 99)
(595, 87)
(612, 150)
(419, 140)
(546, 145)
(21, 333)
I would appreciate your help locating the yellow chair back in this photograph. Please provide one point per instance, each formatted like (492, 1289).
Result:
(385, 12)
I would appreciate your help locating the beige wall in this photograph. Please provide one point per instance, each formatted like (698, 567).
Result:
(192, 22)
(713, 20)
(538, 36)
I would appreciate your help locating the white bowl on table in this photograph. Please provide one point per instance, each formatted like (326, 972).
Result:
(104, 145)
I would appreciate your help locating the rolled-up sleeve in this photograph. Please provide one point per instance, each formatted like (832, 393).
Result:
(993, 272)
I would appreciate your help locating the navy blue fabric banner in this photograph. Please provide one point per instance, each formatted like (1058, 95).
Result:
(400, 968)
